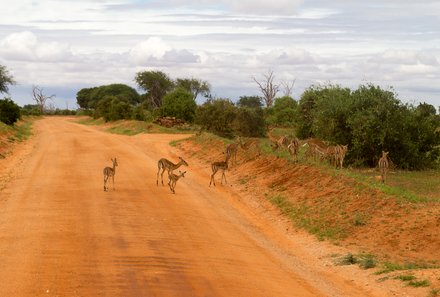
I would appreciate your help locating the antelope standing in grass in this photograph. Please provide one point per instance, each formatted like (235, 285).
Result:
(383, 165)
(110, 172)
(173, 178)
(293, 148)
(216, 166)
(165, 164)
(231, 150)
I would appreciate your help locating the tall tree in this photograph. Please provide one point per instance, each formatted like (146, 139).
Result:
(40, 98)
(194, 86)
(156, 84)
(5, 79)
(268, 88)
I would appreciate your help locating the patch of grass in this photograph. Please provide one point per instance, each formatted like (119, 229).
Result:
(359, 219)
(390, 267)
(302, 217)
(434, 292)
(365, 261)
(405, 278)
(419, 283)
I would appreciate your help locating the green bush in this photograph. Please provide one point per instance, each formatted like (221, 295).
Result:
(371, 119)
(283, 112)
(180, 104)
(217, 116)
(9, 111)
(249, 122)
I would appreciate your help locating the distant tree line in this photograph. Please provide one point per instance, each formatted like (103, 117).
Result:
(368, 119)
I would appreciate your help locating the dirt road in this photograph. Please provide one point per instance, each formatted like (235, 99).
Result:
(62, 235)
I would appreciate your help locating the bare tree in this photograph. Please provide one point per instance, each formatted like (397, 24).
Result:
(268, 88)
(40, 98)
(288, 87)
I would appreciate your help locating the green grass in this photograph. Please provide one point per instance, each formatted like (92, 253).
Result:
(419, 283)
(301, 215)
(365, 261)
(391, 267)
(131, 127)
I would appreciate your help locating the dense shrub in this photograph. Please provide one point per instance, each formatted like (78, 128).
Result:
(283, 112)
(249, 122)
(9, 111)
(217, 116)
(371, 119)
(180, 104)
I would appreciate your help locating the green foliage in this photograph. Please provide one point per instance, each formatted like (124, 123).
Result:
(194, 86)
(180, 104)
(371, 119)
(283, 112)
(217, 116)
(5, 79)
(89, 97)
(250, 101)
(31, 109)
(249, 122)
(156, 84)
(9, 111)
(112, 108)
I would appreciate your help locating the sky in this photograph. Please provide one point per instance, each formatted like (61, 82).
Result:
(63, 46)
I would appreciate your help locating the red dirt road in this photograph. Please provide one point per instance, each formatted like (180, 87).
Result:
(62, 235)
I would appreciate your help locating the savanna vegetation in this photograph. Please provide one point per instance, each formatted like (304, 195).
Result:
(369, 119)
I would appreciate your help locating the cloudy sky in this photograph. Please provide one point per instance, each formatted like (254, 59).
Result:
(65, 45)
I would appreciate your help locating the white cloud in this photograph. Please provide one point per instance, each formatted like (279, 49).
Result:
(153, 47)
(25, 46)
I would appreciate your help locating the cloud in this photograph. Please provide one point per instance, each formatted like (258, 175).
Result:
(406, 57)
(153, 47)
(25, 46)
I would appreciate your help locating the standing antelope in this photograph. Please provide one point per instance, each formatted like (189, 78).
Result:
(216, 166)
(231, 150)
(383, 165)
(342, 150)
(173, 178)
(278, 142)
(165, 164)
(293, 148)
(110, 172)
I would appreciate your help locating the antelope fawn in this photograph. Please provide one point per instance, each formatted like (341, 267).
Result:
(173, 178)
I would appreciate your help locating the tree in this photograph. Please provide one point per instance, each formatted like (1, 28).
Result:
(217, 116)
(268, 88)
(194, 86)
(250, 101)
(288, 87)
(9, 111)
(180, 104)
(249, 122)
(5, 79)
(84, 97)
(156, 84)
(283, 112)
(40, 98)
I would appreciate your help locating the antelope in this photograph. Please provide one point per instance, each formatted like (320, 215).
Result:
(383, 165)
(293, 148)
(110, 172)
(332, 153)
(216, 166)
(231, 150)
(173, 178)
(277, 142)
(342, 150)
(168, 165)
